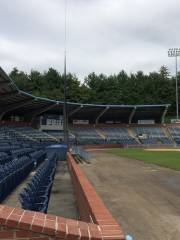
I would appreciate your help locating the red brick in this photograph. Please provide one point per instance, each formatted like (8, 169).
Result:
(29, 214)
(84, 234)
(40, 238)
(24, 234)
(5, 213)
(61, 230)
(25, 223)
(83, 225)
(6, 235)
(18, 211)
(39, 215)
(37, 225)
(72, 222)
(51, 217)
(13, 220)
(73, 233)
(49, 227)
(61, 220)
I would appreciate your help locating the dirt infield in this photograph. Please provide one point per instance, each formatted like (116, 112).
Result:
(144, 198)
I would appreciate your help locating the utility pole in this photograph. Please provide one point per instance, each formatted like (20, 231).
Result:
(65, 110)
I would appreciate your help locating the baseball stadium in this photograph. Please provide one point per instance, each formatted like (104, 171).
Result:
(89, 120)
(115, 176)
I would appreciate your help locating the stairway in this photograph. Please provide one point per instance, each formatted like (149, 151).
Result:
(100, 133)
(168, 135)
(132, 134)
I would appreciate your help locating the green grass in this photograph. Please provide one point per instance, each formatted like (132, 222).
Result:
(167, 159)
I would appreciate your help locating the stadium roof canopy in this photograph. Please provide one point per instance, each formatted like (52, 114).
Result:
(13, 101)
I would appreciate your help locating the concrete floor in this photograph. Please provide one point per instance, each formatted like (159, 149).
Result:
(62, 201)
(144, 198)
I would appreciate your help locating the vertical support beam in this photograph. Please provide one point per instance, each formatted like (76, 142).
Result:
(101, 114)
(132, 114)
(75, 110)
(164, 114)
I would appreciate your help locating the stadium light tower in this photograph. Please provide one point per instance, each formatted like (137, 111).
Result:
(175, 52)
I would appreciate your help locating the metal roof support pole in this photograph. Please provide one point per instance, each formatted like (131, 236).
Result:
(164, 114)
(132, 114)
(101, 114)
(14, 106)
(75, 110)
(41, 110)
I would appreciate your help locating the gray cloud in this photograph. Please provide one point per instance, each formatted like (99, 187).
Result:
(103, 35)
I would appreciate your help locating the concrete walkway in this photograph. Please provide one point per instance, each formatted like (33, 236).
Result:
(62, 201)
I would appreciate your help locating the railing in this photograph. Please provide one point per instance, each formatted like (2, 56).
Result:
(79, 151)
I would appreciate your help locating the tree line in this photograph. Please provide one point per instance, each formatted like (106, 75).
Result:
(121, 88)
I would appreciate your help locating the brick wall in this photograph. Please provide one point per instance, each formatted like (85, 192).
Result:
(25, 225)
(91, 207)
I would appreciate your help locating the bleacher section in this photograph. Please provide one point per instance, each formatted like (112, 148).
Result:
(118, 135)
(59, 135)
(15, 165)
(19, 155)
(36, 135)
(87, 136)
(15, 160)
(151, 135)
(175, 133)
(126, 135)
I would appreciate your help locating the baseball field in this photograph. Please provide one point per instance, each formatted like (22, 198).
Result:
(169, 158)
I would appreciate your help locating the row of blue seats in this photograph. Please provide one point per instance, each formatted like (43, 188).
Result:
(14, 171)
(35, 196)
(4, 157)
(21, 152)
(38, 156)
(87, 140)
(162, 140)
(7, 156)
(125, 141)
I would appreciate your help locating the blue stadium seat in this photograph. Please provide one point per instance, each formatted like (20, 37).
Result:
(35, 196)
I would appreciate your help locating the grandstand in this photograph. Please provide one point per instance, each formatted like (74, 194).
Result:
(30, 124)
(27, 117)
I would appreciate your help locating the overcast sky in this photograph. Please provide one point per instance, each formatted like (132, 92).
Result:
(103, 35)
